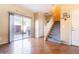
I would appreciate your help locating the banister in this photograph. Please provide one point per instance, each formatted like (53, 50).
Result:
(51, 23)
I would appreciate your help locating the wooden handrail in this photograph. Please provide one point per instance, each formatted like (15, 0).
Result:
(49, 29)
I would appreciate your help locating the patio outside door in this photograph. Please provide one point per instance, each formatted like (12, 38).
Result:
(20, 27)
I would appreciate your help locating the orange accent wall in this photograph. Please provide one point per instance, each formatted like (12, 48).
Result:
(57, 13)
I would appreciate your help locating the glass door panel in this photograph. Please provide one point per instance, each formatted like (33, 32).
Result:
(17, 27)
(26, 23)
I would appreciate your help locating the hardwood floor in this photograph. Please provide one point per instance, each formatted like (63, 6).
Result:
(37, 46)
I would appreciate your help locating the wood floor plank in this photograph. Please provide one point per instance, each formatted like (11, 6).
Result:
(37, 46)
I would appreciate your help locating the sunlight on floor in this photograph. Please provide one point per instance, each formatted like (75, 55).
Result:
(21, 46)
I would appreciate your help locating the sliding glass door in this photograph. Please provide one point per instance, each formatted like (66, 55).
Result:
(20, 27)
(17, 27)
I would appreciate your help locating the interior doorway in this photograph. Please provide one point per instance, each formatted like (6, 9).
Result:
(37, 28)
(20, 27)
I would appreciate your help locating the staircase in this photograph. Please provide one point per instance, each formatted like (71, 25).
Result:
(54, 35)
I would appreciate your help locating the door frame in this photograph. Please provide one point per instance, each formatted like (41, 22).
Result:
(9, 27)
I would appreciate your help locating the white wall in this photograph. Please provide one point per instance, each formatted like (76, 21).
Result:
(66, 31)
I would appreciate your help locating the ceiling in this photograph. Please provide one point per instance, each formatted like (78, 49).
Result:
(44, 8)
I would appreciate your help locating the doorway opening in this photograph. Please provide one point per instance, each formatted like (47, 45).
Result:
(37, 28)
(20, 27)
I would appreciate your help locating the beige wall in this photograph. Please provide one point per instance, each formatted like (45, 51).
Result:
(4, 9)
(69, 7)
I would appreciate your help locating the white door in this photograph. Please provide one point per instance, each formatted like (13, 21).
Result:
(75, 28)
